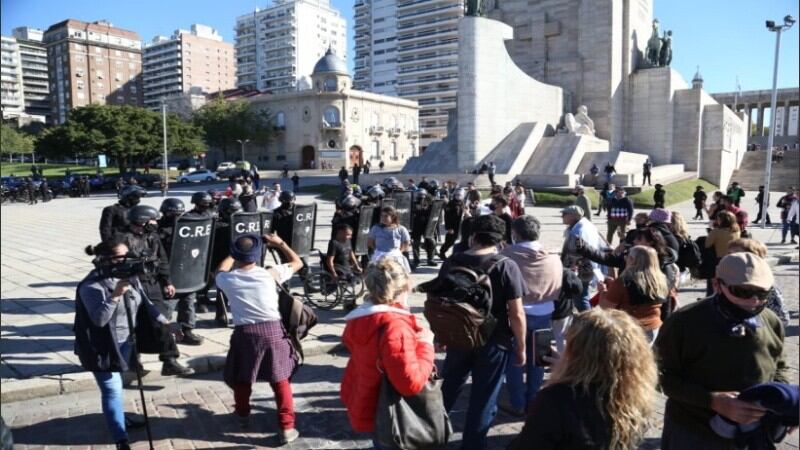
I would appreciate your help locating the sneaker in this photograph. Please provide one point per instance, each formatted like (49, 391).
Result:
(189, 338)
(173, 367)
(289, 435)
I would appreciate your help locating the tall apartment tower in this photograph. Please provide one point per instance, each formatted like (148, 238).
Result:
(196, 58)
(410, 48)
(12, 97)
(35, 82)
(92, 63)
(278, 46)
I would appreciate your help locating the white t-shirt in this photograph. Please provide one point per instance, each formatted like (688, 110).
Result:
(271, 201)
(252, 294)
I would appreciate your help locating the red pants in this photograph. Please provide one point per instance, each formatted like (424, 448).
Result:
(283, 400)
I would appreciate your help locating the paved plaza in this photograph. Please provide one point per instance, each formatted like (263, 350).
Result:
(48, 401)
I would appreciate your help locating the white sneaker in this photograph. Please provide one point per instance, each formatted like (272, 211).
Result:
(289, 435)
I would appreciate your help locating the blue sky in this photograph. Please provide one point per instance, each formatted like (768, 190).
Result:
(726, 38)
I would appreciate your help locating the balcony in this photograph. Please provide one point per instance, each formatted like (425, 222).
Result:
(412, 134)
(331, 126)
(376, 130)
(394, 131)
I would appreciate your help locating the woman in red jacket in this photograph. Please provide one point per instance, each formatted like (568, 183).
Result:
(382, 335)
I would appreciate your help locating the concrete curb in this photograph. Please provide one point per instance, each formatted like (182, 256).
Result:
(54, 385)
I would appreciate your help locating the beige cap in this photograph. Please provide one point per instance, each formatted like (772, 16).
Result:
(745, 269)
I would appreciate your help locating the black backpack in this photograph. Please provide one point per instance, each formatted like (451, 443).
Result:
(689, 254)
(459, 303)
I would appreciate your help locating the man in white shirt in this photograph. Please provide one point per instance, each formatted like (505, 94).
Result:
(271, 201)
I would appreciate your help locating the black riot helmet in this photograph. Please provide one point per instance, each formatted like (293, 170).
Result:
(421, 197)
(202, 200)
(286, 197)
(131, 195)
(392, 184)
(350, 203)
(375, 193)
(172, 207)
(228, 207)
(459, 195)
(433, 186)
(141, 214)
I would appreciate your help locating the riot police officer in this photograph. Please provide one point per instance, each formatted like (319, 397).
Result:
(170, 209)
(203, 204)
(420, 218)
(222, 241)
(114, 219)
(282, 223)
(392, 184)
(348, 213)
(453, 215)
(143, 241)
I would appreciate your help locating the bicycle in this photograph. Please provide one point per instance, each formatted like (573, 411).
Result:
(322, 291)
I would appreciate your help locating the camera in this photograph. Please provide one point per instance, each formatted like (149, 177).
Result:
(129, 266)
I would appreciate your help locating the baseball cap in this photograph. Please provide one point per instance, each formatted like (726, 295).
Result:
(573, 209)
(745, 269)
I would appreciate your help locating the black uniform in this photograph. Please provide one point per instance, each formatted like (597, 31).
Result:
(658, 197)
(699, 203)
(153, 284)
(113, 221)
(249, 203)
(453, 214)
(422, 213)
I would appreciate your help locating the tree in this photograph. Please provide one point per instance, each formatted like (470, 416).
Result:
(13, 141)
(126, 133)
(225, 122)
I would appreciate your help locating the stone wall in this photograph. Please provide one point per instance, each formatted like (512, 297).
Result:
(688, 111)
(724, 144)
(494, 95)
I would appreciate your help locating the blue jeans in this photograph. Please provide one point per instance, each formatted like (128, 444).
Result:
(522, 394)
(584, 304)
(112, 399)
(488, 367)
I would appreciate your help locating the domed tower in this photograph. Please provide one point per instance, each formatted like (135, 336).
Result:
(697, 81)
(330, 74)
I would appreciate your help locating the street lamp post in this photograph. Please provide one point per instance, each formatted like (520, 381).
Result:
(164, 132)
(788, 21)
(243, 142)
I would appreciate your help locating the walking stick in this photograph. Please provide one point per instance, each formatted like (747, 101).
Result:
(127, 299)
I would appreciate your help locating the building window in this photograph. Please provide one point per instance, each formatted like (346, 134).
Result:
(394, 151)
(99, 74)
(331, 116)
(376, 150)
(280, 120)
(330, 84)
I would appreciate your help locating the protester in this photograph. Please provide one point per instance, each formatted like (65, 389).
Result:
(542, 274)
(487, 364)
(785, 204)
(259, 349)
(605, 193)
(581, 230)
(713, 349)
(271, 198)
(659, 196)
(775, 300)
(620, 213)
(661, 220)
(640, 290)
(735, 193)
(726, 203)
(340, 261)
(761, 207)
(583, 201)
(499, 206)
(383, 338)
(725, 230)
(699, 202)
(103, 339)
(602, 391)
(715, 207)
(389, 239)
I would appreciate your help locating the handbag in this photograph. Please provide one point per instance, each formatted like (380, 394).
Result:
(415, 422)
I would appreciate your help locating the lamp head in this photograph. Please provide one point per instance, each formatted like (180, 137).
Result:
(789, 21)
(770, 24)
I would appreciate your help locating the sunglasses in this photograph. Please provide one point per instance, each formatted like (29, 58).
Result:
(748, 292)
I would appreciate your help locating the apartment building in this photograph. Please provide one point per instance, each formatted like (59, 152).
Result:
(12, 96)
(92, 63)
(189, 58)
(410, 48)
(272, 56)
(33, 58)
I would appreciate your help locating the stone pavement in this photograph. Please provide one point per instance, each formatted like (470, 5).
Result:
(42, 261)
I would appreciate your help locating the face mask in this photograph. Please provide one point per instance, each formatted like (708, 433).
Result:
(731, 309)
(150, 228)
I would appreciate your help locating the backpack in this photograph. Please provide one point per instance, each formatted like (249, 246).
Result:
(689, 254)
(459, 303)
(297, 318)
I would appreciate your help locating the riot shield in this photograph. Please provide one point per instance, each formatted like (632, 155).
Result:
(266, 222)
(362, 233)
(191, 253)
(433, 219)
(387, 202)
(244, 223)
(402, 202)
(304, 223)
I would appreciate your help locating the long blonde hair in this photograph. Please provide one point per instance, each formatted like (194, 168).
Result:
(642, 269)
(386, 280)
(679, 225)
(607, 351)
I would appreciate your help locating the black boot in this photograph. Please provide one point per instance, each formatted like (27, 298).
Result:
(189, 338)
(173, 367)
(123, 445)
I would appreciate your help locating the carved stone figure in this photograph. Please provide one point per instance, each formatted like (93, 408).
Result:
(580, 123)
(475, 8)
(654, 46)
(665, 56)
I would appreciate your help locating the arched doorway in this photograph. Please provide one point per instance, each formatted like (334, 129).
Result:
(356, 156)
(308, 156)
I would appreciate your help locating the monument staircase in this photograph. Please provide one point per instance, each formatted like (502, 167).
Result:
(751, 171)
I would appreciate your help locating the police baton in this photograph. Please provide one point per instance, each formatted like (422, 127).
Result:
(127, 299)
